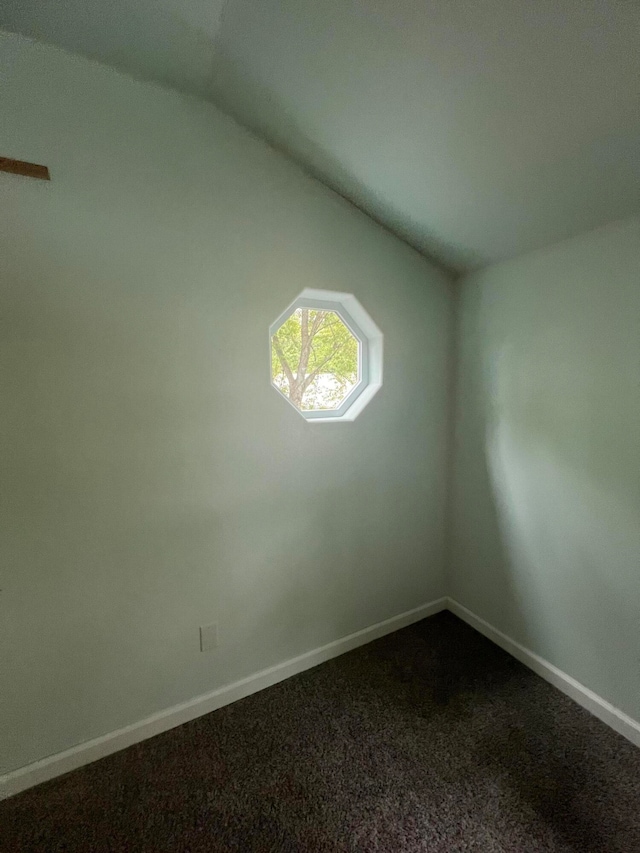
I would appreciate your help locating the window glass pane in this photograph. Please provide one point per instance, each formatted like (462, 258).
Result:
(315, 359)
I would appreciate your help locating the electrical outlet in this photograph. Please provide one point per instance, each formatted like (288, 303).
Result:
(208, 637)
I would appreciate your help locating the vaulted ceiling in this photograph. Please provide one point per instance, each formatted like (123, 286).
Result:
(474, 129)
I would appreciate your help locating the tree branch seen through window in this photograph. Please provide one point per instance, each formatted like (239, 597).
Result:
(314, 359)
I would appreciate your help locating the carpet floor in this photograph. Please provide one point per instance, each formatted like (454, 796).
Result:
(430, 739)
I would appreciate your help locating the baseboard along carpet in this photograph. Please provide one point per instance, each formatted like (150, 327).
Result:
(430, 739)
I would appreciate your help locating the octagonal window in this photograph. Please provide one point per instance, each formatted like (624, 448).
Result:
(326, 355)
(315, 359)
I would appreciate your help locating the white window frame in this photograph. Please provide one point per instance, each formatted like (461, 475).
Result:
(370, 340)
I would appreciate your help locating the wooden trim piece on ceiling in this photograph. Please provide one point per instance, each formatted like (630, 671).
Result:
(20, 167)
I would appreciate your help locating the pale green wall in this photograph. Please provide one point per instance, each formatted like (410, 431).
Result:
(547, 474)
(150, 478)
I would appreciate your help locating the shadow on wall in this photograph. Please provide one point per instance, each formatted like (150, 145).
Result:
(560, 462)
(547, 488)
(562, 537)
(480, 570)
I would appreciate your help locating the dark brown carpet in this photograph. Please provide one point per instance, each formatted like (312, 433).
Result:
(431, 739)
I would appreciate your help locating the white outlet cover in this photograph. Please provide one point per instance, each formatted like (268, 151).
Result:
(208, 637)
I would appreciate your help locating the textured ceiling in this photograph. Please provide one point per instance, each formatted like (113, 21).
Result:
(475, 129)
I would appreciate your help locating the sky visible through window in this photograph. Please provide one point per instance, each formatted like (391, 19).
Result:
(315, 359)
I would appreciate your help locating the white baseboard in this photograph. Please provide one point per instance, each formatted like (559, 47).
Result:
(599, 707)
(84, 753)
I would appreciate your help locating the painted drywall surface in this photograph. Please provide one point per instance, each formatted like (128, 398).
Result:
(151, 479)
(478, 130)
(547, 456)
